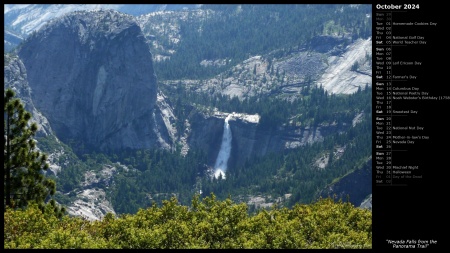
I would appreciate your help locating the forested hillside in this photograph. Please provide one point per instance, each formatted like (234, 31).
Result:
(233, 33)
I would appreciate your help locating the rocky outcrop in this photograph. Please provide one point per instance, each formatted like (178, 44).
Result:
(15, 77)
(343, 76)
(91, 75)
(367, 203)
(91, 200)
(164, 117)
(357, 185)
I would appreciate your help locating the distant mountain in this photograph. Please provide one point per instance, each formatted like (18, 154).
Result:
(22, 19)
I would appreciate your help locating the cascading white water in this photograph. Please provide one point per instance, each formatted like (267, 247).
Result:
(225, 148)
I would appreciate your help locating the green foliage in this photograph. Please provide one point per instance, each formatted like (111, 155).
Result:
(30, 228)
(24, 180)
(207, 224)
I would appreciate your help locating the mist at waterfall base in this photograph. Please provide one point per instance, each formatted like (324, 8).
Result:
(225, 148)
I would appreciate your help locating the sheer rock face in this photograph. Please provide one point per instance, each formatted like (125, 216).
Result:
(91, 75)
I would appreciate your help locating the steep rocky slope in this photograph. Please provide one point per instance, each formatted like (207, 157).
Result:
(356, 185)
(15, 77)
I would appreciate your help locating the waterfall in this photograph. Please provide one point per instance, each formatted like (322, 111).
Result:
(225, 148)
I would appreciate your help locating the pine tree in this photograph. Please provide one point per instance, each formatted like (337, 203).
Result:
(24, 181)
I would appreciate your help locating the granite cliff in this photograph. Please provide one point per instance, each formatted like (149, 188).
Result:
(92, 77)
